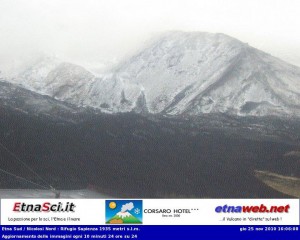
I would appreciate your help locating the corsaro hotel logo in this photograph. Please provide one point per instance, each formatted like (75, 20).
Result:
(124, 211)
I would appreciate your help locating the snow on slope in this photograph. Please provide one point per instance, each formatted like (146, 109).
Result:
(169, 68)
(68, 82)
(74, 84)
(115, 93)
(257, 84)
(194, 73)
(181, 73)
(33, 77)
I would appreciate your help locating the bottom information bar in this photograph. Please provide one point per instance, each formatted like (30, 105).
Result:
(150, 232)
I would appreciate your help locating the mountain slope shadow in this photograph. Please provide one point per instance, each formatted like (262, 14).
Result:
(127, 155)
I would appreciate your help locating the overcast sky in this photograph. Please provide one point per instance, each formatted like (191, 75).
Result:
(105, 30)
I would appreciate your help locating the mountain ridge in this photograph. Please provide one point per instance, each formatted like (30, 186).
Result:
(183, 73)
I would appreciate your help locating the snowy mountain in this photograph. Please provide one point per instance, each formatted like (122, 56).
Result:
(123, 218)
(33, 77)
(180, 74)
(194, 73)
(17, 99)
(68, 82)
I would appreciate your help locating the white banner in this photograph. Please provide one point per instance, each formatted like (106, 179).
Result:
(150, 211)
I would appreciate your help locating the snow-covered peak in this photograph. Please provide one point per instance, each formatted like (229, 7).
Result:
(67, 80)
(194, 73)
(181, 73)
(33, 77)
(123, 214)
(179, 60)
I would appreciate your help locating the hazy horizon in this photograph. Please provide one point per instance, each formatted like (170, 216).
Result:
(103, 32)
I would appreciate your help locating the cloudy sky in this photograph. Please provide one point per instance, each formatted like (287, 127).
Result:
(107, 30)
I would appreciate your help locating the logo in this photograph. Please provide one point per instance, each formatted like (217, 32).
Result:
(44, 207)
(252, 209)
(124, 211)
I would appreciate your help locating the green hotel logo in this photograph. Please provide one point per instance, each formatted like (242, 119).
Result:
(124, 211)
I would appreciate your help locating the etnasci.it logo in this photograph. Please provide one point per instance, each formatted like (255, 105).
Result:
(124, 211)
(44, 207)
(252, 209)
